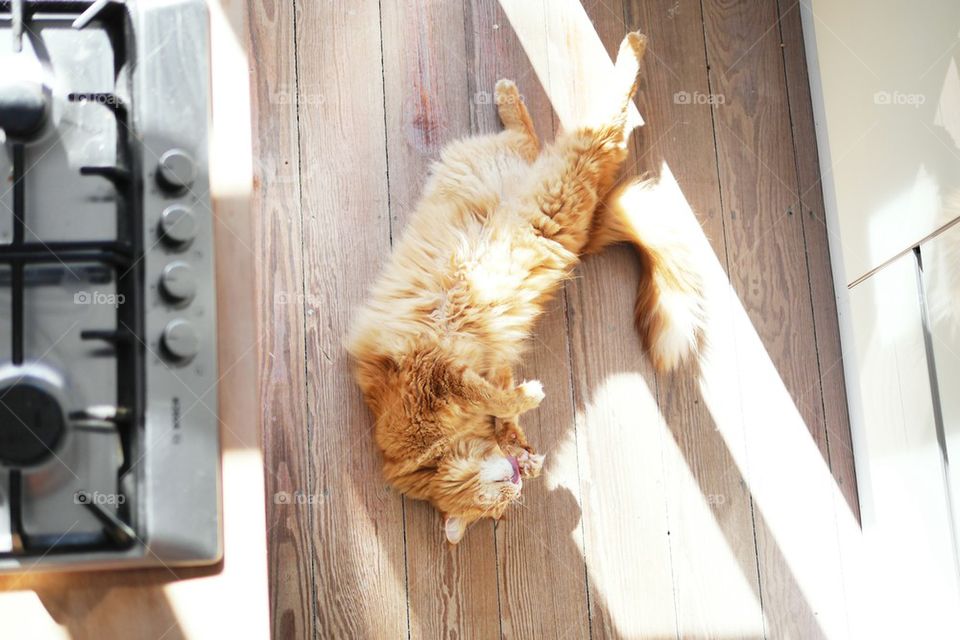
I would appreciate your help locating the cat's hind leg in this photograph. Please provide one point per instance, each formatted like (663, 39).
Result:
(475, 169)
(579, 169)
(515, 117)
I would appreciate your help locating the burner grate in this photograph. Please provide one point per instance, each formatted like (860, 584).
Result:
(113, 266)
(16, 265)
(121, 256)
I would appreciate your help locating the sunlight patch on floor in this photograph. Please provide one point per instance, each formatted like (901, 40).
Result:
(793, 490)
(25, 616)
(569, 59)
(813, 556)
(623, 428)
(230, 148)
(242, 482)
(846, 575)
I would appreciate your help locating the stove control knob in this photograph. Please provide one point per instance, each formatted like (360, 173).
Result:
(178, 282)
(178, 225)
(176, 171)
(180, 339)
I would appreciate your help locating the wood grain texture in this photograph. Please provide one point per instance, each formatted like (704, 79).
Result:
(799, 576)
(279, 286)
(357, 522)
(452, 591)
(619, 428)
(708, 506)
(824, 301)
(541, 573)
(767, 262)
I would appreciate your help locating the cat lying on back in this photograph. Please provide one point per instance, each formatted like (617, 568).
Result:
(499, 227)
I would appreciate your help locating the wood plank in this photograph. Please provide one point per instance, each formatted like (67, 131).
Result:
(279, 286)
(758, 179)
(452, 590)
(621, 485)
(708, 506)
(540, 563)
(813, 218)
(796, 526)
(357, 521)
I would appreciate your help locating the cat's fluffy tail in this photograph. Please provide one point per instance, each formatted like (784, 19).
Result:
(670, 311)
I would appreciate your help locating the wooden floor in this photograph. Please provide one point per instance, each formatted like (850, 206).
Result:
(670, 506)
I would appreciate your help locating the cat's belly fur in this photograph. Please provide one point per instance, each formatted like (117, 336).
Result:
(470, 270)
(477, 285)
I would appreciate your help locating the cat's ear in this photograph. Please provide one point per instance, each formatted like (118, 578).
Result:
(453, 528)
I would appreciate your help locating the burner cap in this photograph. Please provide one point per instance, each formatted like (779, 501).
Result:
(23, 109)
(31, 425)
(23, 100)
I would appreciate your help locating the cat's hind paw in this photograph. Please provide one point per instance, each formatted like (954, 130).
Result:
(635, 43)
(506, 93)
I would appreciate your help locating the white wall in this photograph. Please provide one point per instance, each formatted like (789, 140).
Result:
(885, 82)
(905, 519)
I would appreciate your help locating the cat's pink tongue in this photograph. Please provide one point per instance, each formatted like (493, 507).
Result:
(516, 469)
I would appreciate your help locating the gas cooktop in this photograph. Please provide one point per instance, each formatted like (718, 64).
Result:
(109, 445)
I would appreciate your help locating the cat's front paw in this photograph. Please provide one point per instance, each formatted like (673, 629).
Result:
(531, 464)
(531, 395)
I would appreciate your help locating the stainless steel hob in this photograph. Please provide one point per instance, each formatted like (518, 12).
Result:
(109, 447)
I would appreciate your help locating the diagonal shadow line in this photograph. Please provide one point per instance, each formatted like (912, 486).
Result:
(770, 559)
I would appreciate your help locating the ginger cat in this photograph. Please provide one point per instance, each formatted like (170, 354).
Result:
(499, 227)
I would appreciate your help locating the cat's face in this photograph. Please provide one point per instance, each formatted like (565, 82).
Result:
(440, 440)
(475, 479)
